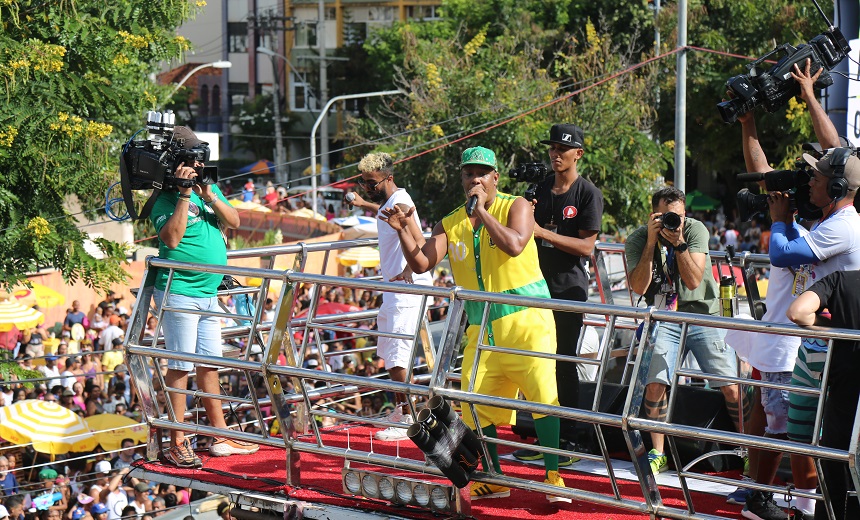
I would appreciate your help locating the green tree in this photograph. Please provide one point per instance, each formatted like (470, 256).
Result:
(255, 119)
(462, 79)
(75, 79)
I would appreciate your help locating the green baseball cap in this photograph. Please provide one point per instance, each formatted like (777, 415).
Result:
(479, 155)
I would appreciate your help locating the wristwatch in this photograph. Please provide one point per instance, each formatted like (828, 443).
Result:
(680, 248)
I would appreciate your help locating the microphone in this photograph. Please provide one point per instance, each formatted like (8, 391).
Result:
(750, 177)
(350, 197)
(470, 206)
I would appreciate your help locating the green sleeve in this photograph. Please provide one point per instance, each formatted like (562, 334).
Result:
(696, 235)
(162, 210)
(218, 193)
(634, 246)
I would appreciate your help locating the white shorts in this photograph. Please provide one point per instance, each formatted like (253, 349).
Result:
(399, 320)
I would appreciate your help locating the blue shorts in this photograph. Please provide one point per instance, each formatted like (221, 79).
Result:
(190, 333)
(705, 343)
(775, 402)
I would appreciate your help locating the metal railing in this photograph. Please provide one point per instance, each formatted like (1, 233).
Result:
(296, 413)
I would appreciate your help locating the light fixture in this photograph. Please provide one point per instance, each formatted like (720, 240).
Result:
(401, 490)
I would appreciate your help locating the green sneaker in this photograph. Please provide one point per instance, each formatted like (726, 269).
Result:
(658, 461)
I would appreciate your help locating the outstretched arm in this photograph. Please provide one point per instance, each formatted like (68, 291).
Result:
(825, 131)
(420, 258)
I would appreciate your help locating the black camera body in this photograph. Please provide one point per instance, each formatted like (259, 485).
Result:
(773, 88)
(151, 164)
(533, 173)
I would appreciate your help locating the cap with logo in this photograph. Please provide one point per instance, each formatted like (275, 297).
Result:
(852, 168)
(480, 156)
(99, 509)
(78, 513)
(84, 499)
(565, 134)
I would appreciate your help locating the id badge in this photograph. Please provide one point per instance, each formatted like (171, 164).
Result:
(800, 280)
(552, 229)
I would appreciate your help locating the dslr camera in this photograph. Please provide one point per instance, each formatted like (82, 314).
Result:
(772, 88)
(533, 173)
(151, 164)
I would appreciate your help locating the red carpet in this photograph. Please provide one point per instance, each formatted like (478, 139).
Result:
(321, 482)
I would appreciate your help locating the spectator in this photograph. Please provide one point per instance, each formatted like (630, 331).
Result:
(69, 375)
(223, 511)
(8, 482)
(98, 322)
(113, 331)
(114, 496)
(158, 506)
(99, 511)
(50, 371)
(101, 470)
(125, 456)
(15, 507)
(141, 503)
(75, 316)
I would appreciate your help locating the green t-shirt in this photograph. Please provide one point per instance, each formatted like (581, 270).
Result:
(203, 243)
(705, 298)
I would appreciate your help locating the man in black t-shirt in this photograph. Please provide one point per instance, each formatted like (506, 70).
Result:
(568, 213)
(838, 293)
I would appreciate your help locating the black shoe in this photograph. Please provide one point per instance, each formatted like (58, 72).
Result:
(760, 506)
(798, 514)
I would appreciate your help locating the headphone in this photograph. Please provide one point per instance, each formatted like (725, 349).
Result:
(837, 185)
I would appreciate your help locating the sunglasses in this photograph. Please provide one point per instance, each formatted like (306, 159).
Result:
(370, 185)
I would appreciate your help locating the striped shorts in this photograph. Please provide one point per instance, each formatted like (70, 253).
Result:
(802, 407)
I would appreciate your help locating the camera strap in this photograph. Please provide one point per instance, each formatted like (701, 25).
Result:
(128, 197)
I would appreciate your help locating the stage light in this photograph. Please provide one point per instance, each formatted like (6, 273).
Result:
(352, 482)
(421, 494)
(401, 490)
(439, 498)
(404, 492)
(386, 488)
(369, 483)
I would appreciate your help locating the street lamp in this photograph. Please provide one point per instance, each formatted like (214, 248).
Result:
(215, 64)
(319, 120)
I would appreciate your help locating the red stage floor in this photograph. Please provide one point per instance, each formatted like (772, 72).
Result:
(265, 472)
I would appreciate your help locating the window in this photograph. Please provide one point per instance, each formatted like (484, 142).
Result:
(216, 101)
(203, 107)
(237, 37)
(423, 12)
(306, 35)
(330, 13)
(354, 33)
(298, 94)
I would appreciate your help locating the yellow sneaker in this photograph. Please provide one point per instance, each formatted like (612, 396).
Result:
(553, 478)
(479, 490)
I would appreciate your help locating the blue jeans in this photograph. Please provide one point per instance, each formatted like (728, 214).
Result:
(706, 344)
(190, 333)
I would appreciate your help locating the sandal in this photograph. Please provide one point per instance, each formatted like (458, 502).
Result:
(182, 456)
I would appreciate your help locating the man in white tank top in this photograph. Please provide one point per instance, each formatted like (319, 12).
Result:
(400, 313)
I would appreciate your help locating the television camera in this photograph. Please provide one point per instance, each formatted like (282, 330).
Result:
(533, 173)
(772, 88)
(795, 182)
(150, 164)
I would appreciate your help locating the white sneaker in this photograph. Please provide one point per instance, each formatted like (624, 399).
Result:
(395, 433)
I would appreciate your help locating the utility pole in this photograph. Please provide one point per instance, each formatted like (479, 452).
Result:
(324, 166)
(274, 25)
(681, 100)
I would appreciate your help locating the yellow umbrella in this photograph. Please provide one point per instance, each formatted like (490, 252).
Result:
(51, 428)
(110, 429)
(364, 256)
(39, 294)
(13, 314)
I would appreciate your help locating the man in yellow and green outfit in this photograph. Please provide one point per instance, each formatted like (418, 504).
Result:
(492, 250)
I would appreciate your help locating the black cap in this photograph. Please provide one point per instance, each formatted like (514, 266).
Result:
(565, 134)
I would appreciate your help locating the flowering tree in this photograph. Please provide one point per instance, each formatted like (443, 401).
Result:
(76, 81)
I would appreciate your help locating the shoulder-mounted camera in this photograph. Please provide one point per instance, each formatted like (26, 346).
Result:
(533, 173)
(151, 164)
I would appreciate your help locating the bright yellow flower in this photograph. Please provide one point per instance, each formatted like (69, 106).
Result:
(39, 227)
